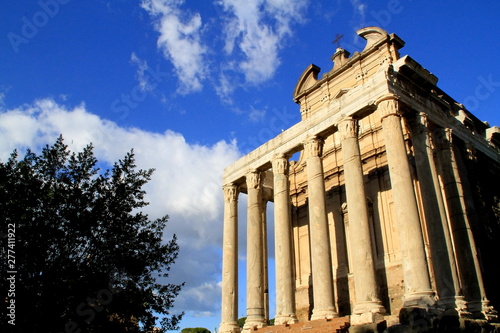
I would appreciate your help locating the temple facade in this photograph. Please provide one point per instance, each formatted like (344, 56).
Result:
(393, 205)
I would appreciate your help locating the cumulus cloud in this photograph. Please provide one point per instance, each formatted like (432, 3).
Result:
(186, 184)
(180, 41)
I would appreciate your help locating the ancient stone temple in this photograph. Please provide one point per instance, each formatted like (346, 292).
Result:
(389, 217)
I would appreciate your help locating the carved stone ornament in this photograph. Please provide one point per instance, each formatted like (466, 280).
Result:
(388, 106)
(348, 128)
(418, 123)
(304, 109)
(253, 179)
(361, 75)
(230, 192)
(280, 165)
(470, 150)
(442, 138)
(385, 60)
(325, 93)
(314, 147)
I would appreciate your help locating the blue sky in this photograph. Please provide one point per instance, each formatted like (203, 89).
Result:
(193, 85)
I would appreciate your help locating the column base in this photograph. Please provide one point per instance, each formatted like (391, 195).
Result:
(482, 310)
(367, 312)
(475, 306)
(324, 314)
(253, 322)
(366, 318)
(420, 299)
(231, 327)
(285, 319)
(456, 304)
(489, 311)
(368, 307)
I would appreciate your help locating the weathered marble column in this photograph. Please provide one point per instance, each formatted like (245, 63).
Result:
(321, 263)
(465, 248)
(418, 290)
(441, 247)
(285, 289)
(255, 243)
(229, 312)
(265, 268)
(366, 304)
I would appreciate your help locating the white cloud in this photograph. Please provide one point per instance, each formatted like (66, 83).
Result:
(142, 67)
(180, 41)
(258, 28)
(186, 184)
(256, 115)
(359, 8)
(253, 31)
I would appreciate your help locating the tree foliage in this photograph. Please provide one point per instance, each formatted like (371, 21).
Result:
(196, 330)
(87, 259)
(241, 321)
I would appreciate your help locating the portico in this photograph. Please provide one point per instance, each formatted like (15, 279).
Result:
(364, 126)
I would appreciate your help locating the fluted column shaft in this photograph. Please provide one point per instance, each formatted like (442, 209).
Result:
(321, 263)
(415, 270)
(363, 266)
(441, 247)
(229, 313)
(285, 289)
(255, 251)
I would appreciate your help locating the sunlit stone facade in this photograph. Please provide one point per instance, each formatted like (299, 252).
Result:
(393, 204)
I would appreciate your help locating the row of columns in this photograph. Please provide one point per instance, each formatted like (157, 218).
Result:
(418, 289)
(468, 279)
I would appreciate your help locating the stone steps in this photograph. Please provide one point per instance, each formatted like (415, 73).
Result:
(335, 325)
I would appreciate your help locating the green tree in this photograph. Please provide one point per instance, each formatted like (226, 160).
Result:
(87, 259)
(241, 321)
(195, 330)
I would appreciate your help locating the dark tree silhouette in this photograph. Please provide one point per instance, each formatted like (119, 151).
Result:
(87, 259)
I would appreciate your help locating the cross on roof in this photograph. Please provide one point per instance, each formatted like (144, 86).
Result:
(337, 39)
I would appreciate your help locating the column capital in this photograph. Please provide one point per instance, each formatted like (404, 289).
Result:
(280, 164)
(313, 146)
(230, 192)
(443, 138)
(389, 106)
(253, 179)
(348, 128)
(418, 123)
